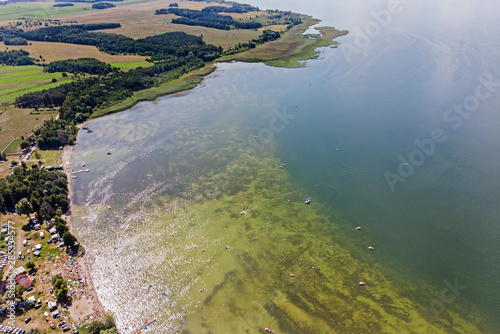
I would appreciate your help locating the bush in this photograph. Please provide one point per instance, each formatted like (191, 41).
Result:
(30, 264)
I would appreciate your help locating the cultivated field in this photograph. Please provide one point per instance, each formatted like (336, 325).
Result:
(18, 80)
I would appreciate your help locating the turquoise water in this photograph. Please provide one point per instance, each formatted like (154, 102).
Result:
(183, 167)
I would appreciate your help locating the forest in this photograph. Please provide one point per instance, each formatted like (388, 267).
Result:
(14, 41)
(15, 58)
(236, 8)
(80, 65)
(103, 5)
(47, 98)
(54, 133)
(208, 19)
(33, 190)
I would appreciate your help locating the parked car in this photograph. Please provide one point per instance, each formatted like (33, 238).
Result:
(28, 319)
(52, 326)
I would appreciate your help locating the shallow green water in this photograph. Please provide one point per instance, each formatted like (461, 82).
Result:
(183, 168)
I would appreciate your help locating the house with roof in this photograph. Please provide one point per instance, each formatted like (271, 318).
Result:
(24, 280)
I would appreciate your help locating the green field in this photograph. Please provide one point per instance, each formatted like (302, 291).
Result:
(49, 157)
(18, 80)
(14, 147)
(40, 11)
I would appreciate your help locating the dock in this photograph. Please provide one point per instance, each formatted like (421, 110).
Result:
(81, 171)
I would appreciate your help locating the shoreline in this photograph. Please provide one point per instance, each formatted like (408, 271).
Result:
(291, 50)
(83, 262)
(296, 52)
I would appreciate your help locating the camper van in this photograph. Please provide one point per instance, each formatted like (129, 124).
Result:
(42, 235)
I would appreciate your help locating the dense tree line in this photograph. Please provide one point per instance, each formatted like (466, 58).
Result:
(208, 24)
(267, 36)
(86, 1)
(15, 58)
(79, 99)
(236, 8)
(177, 44)
(47, 98)
(15, 41)
(6, 32)
(103, 5)
(80, 65)
(289, 18)
(34, 190)
(54, 133)
(63, 5)
(55, 33)
(208, 19)
(94, 93)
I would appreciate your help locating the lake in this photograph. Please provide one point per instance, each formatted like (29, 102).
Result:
(394, 131)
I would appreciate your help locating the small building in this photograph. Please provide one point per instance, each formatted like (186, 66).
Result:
(38, 247)
(24, 280)
(18, 271)
(53, 230)
(36, 253)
